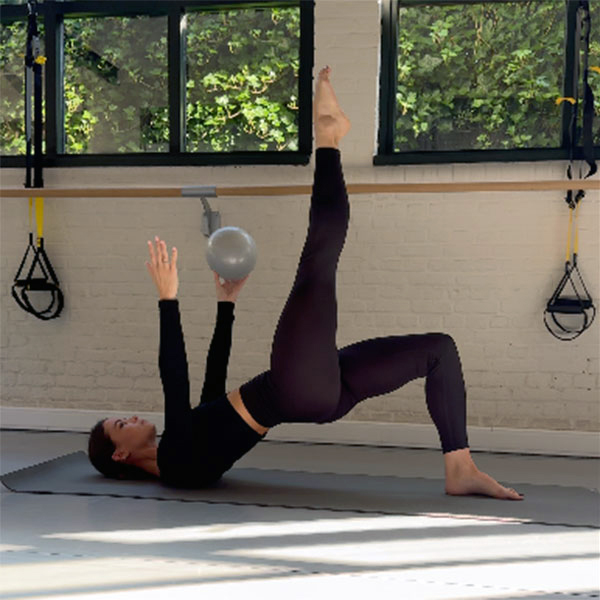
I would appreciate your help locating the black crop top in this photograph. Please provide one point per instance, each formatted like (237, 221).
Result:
(198, 445)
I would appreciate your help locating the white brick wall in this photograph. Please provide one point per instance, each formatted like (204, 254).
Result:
(478, 266)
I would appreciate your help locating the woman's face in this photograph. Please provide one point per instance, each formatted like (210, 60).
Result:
(130, 434)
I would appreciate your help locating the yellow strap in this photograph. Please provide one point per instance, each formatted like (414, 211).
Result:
(573, 232)
(576, 245)
(39, 218)
(568, 255)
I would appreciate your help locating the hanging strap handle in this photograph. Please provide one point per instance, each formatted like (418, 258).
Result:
(49, 282)
(34, 61)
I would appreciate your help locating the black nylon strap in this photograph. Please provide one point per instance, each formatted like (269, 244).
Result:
(588, 96)
(582, 39)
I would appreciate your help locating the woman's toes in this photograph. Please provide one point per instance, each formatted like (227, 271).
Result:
(513, 494)
(324, 73)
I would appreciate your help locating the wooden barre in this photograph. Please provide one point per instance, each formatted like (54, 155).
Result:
(294, 190)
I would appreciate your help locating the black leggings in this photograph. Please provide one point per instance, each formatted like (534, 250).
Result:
(310, 380)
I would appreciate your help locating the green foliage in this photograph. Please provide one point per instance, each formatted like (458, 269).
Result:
(12, 86)
(242, 83)
(243, 80)
(483, 76)
(116, 85)
(469, 77)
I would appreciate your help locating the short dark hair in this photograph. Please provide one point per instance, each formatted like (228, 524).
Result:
(100, 451)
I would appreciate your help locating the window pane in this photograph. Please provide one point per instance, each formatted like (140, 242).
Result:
(483, 76)
(242, 88)
(13, 39)
(116, 85)
(594, 60)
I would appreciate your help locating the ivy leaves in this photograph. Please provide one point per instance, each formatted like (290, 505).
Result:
(481, 76)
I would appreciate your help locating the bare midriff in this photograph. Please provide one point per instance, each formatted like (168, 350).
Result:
(235, 399)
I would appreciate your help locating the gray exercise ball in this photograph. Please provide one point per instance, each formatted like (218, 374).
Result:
(231, 252)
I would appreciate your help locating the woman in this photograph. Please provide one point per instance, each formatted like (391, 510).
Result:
(309, 380)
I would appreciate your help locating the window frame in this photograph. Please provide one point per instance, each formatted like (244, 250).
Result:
(388, 84)
(53, 13)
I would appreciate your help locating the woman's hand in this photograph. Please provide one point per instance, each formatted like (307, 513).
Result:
(229, 290)
(163, 272)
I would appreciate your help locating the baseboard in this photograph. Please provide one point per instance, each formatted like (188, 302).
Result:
(408, 435)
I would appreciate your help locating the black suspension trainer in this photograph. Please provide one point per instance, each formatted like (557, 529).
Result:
(47, 282)
(570, 310)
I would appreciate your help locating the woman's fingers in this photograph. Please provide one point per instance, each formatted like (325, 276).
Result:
(162, 250)
(152, 254)
(161, 254)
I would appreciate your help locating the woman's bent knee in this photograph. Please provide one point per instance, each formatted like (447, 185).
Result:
(442, 345)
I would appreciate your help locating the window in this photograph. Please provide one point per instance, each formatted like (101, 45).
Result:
(12, 99)
(242, 91)
(478, 80)
(116, 97)
(168, 82)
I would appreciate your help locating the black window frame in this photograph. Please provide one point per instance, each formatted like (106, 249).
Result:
(53, 13)
(385, 154)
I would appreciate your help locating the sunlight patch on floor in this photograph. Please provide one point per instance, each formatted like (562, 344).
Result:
(27, 574)
(415, 550)
(352, 587)
(229, 531)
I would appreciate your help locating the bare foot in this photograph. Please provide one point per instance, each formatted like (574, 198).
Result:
(480, 483)
(464, 478)
(331, 124)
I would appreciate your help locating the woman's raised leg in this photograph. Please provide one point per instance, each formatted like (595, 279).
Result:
(304, 360)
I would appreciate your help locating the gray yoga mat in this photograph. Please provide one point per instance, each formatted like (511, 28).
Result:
(547, 504)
